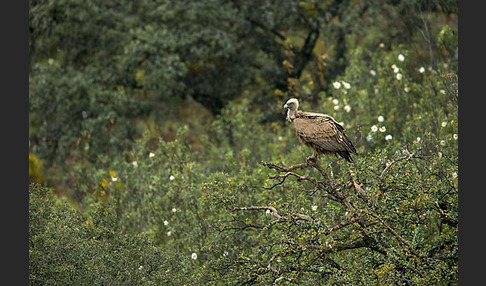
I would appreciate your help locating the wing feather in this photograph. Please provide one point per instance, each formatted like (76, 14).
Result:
(322, 132)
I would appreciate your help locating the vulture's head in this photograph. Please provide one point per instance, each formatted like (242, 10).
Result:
(291, 105)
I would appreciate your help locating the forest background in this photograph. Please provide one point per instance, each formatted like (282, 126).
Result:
(159, 151)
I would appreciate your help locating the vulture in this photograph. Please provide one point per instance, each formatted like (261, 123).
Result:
(320, 132)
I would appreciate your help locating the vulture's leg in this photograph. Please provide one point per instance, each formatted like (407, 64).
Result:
(312, 158)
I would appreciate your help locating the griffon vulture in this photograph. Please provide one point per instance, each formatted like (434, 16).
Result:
(320, 132)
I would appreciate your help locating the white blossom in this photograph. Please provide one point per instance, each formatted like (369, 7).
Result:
(388, 137)
(335, 101)
(442, 91)
(347, 108)
(166, 222)
(382, 129)
(401, 57)
(314, 208)
(194, 256)
(455, 136)
(135, 164)
(140, 268)
(268, 212)
(406, 89)
(174, 210)
(418, 139)
(369, 138)
(374, 128)
(421, 69)
(346, 85)
(381, 118)
(373, 72)
(442, 142)
(151, 155)
(381, 45)
(336, 107)
(396, 70)
(444, 124)
(454, 175)
(336, 85)
(399, 76)
(171, 178)
(169, 233)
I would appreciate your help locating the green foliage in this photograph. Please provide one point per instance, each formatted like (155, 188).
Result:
(162, 123)
(68, 247)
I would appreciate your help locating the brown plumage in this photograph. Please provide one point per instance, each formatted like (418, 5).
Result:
(320, 132)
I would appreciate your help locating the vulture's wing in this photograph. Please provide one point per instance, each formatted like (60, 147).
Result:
(322, 131)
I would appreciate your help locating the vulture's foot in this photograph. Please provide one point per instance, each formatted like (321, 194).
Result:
(311, 159)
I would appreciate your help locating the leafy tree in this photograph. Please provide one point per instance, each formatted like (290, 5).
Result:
(69, 247)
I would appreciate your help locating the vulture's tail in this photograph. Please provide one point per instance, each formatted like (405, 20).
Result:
(346, 155)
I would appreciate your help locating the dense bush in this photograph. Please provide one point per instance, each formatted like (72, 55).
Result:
(67, 247)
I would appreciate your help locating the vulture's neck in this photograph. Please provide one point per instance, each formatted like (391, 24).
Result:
(291, 115)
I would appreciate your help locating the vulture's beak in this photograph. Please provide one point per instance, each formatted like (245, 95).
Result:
(286, 106)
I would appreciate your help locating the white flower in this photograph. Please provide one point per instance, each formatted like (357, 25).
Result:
(382, 45)
(225, 253)
(151, 155)
(406, 89)
(444, 124)
(388, 137)
(418, 139)
(442, 91)
(455, 136)
(373, 72)
(166, 222)
(399, 76)
(374, 128)
(336, 85)
(401, 57)
(336, 107)
(442, 142)
(50, 62)
(169, 233)
(394, 66)
(369, 138)
(174, 210)
(171, 178)
(396, 70)
(421, 69)
(135, 164)
(194, 256)
(140, 268)
(114, 179)
(335, 101)
(268, 212)
(314, 208)
(454, 175)
(382, 129)
(346, 85)
(381, 118)
(347, 108)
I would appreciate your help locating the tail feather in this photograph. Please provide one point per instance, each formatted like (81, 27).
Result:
(346, 155)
